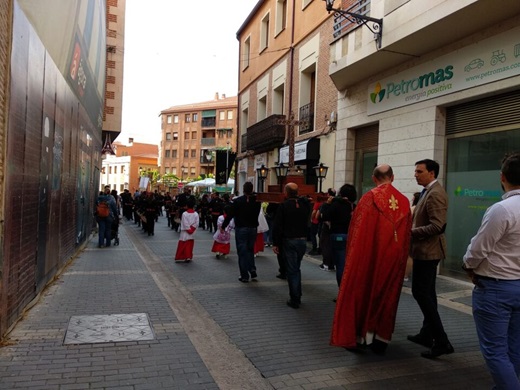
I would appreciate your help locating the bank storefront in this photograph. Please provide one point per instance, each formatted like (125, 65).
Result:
(466, 103)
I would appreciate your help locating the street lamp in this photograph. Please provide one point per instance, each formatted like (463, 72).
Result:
(321, 173)
(281, 172)
(377, 24)
(262, 175)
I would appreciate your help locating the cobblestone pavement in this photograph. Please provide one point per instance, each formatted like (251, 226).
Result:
(210, 331)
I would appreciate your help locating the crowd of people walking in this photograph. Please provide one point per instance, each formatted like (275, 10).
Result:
(373, 245)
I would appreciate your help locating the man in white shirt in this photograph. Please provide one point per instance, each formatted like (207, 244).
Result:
(492, 261)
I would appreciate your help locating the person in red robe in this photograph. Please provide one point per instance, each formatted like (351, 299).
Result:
(378, 243)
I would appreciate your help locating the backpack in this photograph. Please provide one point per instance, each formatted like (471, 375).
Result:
(102, 210)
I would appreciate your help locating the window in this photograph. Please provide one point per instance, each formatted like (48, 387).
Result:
(187, 118)
(220, 134)
(278, 99)
(230, 114)
(281, 16)
(174, 171)
(193, 135)
(264, 33)
(193, 172)
(193, 154)
(186, 153)
(262, 108)
(246, 53)
(186, 135)
(167, 154)
(222, 115)
(175, 136)
(174, 153)
(168, 119)
(115, 169)
(195, 117)
(168, 136)
(109, 170)
(122, 169)
(176, 118)
(229, 133)
(305, 3)
(307, 98)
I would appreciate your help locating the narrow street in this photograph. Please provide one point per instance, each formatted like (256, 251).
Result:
(206, 330)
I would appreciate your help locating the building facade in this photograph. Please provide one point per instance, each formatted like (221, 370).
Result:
(284, 75)
(52, 92)
(444, 85)
(125, 169)
(113, 106)
(193, 133)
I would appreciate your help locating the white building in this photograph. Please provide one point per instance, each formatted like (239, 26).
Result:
(444, 85)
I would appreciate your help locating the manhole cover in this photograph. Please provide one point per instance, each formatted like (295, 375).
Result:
(108, 328)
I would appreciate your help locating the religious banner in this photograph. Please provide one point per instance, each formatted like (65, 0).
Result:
(224, 159)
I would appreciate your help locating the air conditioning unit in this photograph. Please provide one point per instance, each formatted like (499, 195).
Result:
(333, 117)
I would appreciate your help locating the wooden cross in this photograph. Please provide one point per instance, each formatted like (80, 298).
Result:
(290, 124)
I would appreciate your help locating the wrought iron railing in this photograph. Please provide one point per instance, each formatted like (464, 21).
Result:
(207, 141)
(307, 117)
(266, 134)
(342, 25)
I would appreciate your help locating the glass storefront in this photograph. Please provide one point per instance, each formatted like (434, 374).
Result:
(365, 164)
(473, 184)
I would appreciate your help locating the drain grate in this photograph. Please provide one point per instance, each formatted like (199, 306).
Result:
(108, 328)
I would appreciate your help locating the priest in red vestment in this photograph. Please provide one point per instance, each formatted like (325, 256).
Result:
(377, 249)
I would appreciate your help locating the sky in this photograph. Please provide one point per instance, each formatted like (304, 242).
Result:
(177, 52)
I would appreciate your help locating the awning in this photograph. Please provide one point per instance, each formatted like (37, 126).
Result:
(303, 150)
(209, 113)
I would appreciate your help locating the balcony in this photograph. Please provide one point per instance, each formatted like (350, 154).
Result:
(307, 115)
(208, 122)
(266, 134)
(207, 141)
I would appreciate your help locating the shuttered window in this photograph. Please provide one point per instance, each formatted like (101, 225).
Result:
(367, 137)
(487, 113)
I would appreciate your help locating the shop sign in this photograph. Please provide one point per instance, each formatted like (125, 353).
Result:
(484, 62)
(300, 152)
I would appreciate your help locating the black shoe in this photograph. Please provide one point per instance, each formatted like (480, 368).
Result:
(421, 340)
(281, 276)
(253, 275)
(378, 347)
(243, 280)
(438, 350)
(294, 305)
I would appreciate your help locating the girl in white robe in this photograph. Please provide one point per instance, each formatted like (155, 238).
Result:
(189, 223)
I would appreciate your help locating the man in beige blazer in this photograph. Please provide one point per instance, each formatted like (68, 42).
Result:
(428, 247)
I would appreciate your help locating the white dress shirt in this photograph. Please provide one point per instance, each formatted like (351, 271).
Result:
(495, 249)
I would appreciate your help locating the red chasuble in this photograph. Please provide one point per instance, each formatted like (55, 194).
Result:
(377, 249)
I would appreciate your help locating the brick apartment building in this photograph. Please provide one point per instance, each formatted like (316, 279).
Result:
(283, 70)
(192, 133)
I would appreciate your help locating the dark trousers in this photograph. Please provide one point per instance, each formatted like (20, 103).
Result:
(424, 276)
(294, 249)
(338, 244)
(245, 241)
(214, 220)
(315, 233)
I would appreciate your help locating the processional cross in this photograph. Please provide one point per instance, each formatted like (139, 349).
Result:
(290, 123)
